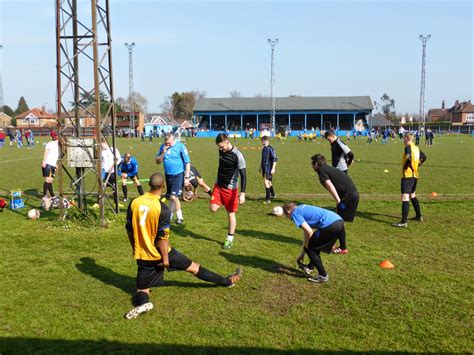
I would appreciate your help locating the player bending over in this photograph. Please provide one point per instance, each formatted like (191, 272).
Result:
(148, 226)
(328, 226)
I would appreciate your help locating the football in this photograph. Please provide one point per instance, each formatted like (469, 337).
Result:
(277, 211)
(33, 214)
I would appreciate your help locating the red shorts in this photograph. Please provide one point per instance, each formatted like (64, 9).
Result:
(227, 197)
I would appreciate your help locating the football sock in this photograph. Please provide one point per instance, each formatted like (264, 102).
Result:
(141, 298)
(125, 191)
(267, 193)
(179, 214)
(50, 188)
(230, 237)
(405, 209)
(209, 276)
(272, 192)
(342, 239)
(209, 192)
(140, 189)
(316, 261)
(416, 206)
(45, 189)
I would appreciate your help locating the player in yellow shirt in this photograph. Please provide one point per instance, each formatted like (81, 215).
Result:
(412, 159)
(148, 229)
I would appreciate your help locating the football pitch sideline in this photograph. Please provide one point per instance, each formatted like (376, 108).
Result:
(66, 285)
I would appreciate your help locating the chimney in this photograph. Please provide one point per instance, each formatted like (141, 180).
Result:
(442, 105)
(456, 103)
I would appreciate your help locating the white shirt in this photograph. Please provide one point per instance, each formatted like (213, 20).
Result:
(108, 159)
(53, 153)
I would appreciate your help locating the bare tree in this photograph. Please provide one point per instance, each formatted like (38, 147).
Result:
(235, 94)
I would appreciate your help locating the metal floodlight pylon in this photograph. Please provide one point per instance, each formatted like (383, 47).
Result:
(423, 39)
(85, 31)
(272, 43)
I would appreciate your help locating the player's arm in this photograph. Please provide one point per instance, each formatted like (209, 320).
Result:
(161, 154)
(243, 184)
(408, 157)
(134, 170)
(348, 155)
(187, 172)
(129, 227)
(332, 190)
(164, 234)
(45, 156)
(307, 233)
(422, 158)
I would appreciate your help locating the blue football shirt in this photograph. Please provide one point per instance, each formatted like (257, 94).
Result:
(316, 217)
(175, 159)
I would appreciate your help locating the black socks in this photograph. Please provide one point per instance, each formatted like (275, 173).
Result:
(416, 206)
(140, 189)
(405, 209)
(209, 276)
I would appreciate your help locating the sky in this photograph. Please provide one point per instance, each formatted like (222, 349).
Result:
(326, 48)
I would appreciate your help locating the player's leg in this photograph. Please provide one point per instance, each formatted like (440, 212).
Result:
(406, 189)
(124, 187)
(266, 183)
(416, 204)
(339, 230)
(149, 274)
(216, 201)
(314, 256)
(178, 182)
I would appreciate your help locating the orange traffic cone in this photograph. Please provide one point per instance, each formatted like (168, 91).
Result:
(434, 194)
(386, 264)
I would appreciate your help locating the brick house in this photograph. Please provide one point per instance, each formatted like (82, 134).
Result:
(462, 113)
(36, 118)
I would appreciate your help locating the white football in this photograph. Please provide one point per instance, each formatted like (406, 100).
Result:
(33, 214)
(277, 211)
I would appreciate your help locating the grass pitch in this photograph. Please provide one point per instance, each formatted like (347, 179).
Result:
(65, 288)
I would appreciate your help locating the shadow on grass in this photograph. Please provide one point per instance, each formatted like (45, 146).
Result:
(268, 236)
(263, 264)
(11, 345)
(125, 283)
(184, 232)
(371, 216)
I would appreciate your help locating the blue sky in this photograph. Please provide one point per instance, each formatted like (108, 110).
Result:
(326, 48)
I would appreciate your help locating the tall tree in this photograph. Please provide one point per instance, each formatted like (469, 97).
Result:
(387, 106)
(183, 103)
(8, 110)
(22, 106)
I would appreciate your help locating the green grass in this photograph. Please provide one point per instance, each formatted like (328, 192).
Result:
(64, 289)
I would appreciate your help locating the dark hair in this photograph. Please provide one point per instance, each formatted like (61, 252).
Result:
(156, 181)
(329, 133)
(318, 159)
(265, 138)
(221, 137)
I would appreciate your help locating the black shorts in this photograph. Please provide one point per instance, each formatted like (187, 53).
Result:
(325, 238)
(174, 184)
(194, 181)
(348, 206)
(48, 171)
(267, 175)
(408, 185)
(150, 273)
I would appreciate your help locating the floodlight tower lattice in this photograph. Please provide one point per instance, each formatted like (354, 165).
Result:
(2, 102)
(130, 83)
(272, 43)
(88, 34)
(423, 39)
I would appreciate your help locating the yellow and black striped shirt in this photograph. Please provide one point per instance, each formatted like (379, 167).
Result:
(148, 218)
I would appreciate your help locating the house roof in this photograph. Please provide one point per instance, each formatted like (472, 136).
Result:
(294, 103)
(186, 124)
(379, 120)
(437, 112)
(38, 113)
(464, 107)
(4, 118)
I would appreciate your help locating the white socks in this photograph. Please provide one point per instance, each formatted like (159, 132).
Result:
(179, 214)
